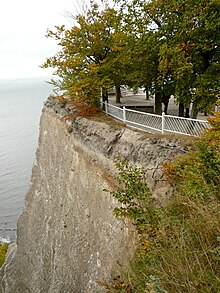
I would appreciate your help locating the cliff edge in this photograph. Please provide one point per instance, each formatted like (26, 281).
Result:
(67, 238)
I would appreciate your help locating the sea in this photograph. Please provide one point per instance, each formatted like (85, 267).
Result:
(21, 102)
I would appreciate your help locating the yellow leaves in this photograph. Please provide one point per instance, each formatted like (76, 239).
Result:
(93, 68)
(60, 28)
(116, 49)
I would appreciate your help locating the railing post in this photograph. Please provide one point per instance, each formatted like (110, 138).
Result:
(124, 114)
(163, 122)
(106, 108)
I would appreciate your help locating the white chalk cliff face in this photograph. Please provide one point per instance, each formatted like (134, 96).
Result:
(67, 237)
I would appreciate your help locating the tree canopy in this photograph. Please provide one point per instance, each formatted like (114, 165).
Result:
(189, 49)
(84, 48)
(167, 47)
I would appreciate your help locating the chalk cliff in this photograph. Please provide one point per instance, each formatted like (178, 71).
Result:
(67, 238)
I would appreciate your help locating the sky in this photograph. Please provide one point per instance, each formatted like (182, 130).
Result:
(23, 25)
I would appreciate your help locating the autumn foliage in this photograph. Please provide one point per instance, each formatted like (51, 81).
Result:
(167, 47)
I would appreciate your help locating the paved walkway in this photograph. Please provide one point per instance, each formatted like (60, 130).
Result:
(139, 99)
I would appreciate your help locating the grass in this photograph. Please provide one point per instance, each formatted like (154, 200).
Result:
(179, 248)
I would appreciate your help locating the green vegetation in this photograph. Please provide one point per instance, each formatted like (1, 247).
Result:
(179, 249)
(3, 251)
(167, 47)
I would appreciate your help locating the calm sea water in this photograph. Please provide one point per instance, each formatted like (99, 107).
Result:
(21, 102)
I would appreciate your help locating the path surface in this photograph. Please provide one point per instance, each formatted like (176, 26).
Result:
(139, 99)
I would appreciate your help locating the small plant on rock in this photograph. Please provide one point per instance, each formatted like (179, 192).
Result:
(3, 251)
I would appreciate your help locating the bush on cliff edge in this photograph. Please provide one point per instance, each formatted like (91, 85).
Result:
(179, 249)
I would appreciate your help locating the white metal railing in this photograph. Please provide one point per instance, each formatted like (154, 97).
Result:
(157, 123)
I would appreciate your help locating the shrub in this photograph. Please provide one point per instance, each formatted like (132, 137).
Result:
(3, 251)
(135, 197)
(197, 174)
(179, 248)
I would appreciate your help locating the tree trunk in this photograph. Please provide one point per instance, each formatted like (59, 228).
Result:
(118, 94)
(158, 103)
(147, 94)
(104, 97)
(181, 110)
(165, 108)
(187, 113)
(195, 111)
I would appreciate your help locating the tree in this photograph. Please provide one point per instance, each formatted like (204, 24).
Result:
(190, 48)
(187, 36)
(80, 62)
(142, 50)
(167, 47)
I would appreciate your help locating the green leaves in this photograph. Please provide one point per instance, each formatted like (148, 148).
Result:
(179, 249)
(151, 44)
(135, 197)
(197, 174)
(84, 47)
(191, 47)
(187, 34)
